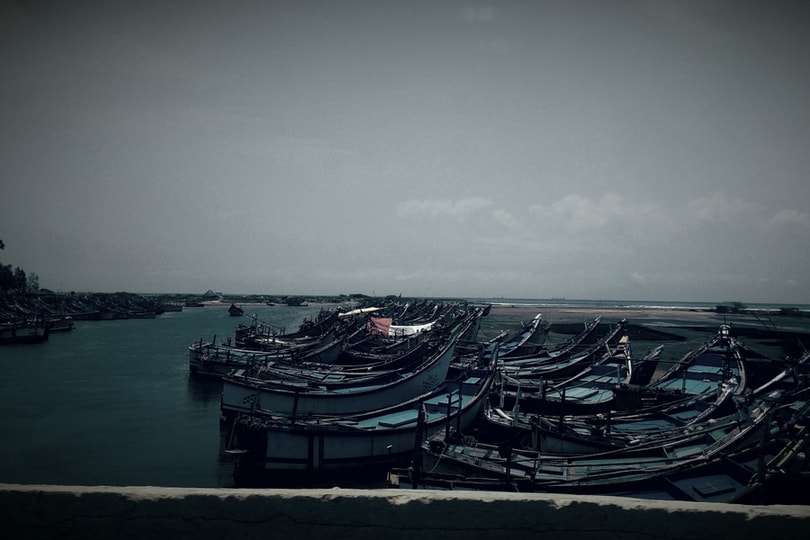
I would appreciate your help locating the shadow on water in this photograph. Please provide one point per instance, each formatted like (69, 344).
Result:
(204, 390)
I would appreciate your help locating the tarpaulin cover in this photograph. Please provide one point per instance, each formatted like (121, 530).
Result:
(379, 325)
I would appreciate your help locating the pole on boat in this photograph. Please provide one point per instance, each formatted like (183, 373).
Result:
(458, 416)
(447, 418)
(388, 476)
(534, 422)
(501, 401)
(505, 451)
(416, 463)
(542, 394)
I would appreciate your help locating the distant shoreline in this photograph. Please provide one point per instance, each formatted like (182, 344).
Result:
(559, 310)
(651, 316)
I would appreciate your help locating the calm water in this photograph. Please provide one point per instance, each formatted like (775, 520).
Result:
(111, 402)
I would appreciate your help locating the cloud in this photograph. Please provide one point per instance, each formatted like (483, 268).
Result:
(791, 217)
(578, 213)
(718, 208)
(637, 277)
(649, 248)
(478, 13)
(459, 210)
(582, 213)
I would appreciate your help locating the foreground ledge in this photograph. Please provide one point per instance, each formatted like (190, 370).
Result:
(44, 511)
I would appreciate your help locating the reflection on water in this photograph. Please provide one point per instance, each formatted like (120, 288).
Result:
(204, 390)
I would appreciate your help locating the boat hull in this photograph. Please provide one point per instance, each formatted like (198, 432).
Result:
(243, 395)
(387, 437)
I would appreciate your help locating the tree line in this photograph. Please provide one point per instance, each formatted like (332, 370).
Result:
(15, 280)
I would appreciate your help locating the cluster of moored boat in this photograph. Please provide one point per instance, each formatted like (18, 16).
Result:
(698, 431)
(408, 389)
(31, 318)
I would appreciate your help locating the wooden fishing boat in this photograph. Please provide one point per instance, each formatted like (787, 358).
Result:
(576, 438)
(243, 394)
(575, 434)
(60, 323)
(392, 327)
(209, 359)
(717, 366)
(570, 347)
(623, 471)
(531, 382)
(24, 331)
(636, 429)
(563, 363)
(528, 340)
(261, 334)
(767, 473)
(321, 444)
(758, 474)
(591, 390)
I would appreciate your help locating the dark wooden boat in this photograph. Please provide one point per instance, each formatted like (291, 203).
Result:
(612, 428)
(528, 340)
(567, 348)
(208, 359)
(530, 382)
(318, 444)
(773, 418)
(24, 331)
(60, 323)
(717, 366)
(263, 335)
(243, 394)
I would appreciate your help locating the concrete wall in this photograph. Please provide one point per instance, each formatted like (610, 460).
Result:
(154, 513)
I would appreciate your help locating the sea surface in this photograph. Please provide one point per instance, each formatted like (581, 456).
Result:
(112, 403)
(631, 304)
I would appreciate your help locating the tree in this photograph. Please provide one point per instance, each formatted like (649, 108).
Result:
(6, 278)
(15, 280)
(20, 280)
(33, 283)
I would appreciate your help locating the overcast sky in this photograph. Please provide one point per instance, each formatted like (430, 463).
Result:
(647, 149)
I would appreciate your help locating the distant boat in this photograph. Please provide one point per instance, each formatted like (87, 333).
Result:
(235, 311)
(24, 331)
(60, 324)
